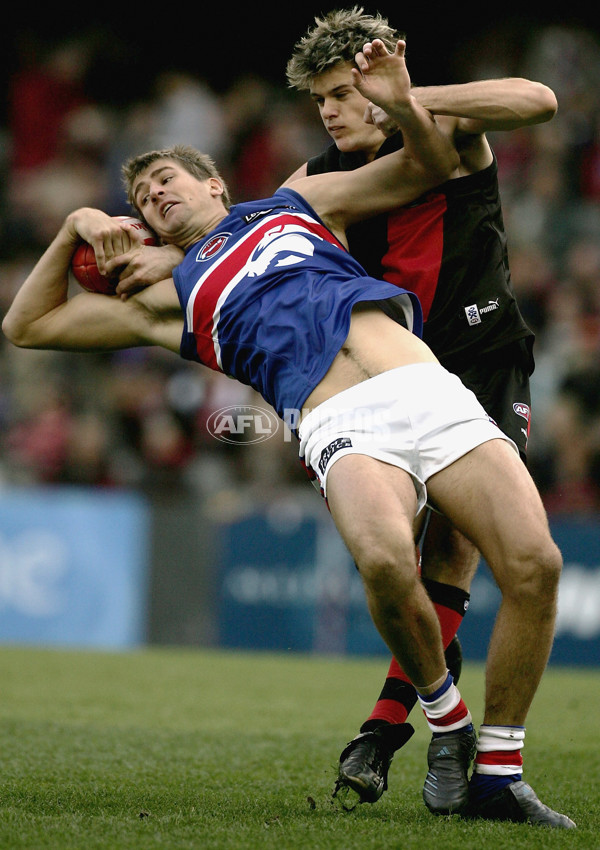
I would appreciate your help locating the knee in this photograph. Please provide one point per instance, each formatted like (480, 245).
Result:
(387, 568)
(536, 574)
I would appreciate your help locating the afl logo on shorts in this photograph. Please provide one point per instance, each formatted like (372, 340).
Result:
(212, 247)
(522, 410)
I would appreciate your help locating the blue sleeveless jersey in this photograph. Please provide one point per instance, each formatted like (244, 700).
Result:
(267, 298)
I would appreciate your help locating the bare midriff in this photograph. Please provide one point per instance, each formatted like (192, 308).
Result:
(375, 344)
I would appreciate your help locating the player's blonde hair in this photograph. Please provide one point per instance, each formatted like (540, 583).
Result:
(199, 165)
(336, 37)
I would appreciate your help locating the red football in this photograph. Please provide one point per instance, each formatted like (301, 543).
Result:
(85, 270)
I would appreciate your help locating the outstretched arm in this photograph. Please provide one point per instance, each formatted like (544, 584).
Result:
(480, 106)
(43, 315)
(504, 104)
(465, 112)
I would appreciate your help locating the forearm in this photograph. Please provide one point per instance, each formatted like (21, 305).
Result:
(501, 104)
(384, 81)
(431, 150)
(44, 290)
(43, 316)
(145, 266)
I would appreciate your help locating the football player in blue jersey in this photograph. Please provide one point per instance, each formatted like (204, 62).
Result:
(382, 426)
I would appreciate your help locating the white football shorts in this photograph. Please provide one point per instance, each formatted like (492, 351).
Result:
(420, 418)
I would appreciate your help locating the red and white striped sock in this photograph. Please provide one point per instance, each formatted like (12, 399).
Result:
(499, 750)
(498, 761)
(444, 709)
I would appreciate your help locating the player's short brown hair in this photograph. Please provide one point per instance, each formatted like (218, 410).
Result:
(199, 165)
(336, 37)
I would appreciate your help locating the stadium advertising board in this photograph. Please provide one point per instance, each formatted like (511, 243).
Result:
(73, 567)
(286, 582)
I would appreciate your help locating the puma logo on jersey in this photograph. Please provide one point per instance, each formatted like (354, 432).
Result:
(474, 313)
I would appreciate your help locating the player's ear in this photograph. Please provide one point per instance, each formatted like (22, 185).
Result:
(216, 186)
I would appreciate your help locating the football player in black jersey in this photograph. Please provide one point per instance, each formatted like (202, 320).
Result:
(450, 248)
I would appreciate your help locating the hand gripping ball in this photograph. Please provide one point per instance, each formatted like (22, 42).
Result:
(85, 270)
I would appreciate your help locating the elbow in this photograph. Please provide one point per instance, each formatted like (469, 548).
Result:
(8, 330)
(14, 332)
(546, 104)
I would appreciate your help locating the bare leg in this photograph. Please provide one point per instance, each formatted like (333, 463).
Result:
(448, 563)
(500, 510)
(373, 506)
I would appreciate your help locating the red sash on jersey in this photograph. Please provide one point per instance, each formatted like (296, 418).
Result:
(416, 240)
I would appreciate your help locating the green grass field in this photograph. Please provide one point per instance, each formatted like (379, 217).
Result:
(170, 748)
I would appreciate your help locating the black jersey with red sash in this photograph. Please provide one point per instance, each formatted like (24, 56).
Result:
(449, 247)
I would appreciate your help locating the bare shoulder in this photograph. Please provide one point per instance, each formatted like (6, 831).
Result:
(330, 196)
(298, 173)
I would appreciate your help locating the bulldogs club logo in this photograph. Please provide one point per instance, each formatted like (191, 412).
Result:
(211, 248)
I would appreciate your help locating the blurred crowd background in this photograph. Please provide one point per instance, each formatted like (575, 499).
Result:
(77, 106)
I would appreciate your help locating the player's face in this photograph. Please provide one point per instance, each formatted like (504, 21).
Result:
(342, 109)
(177, 206)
